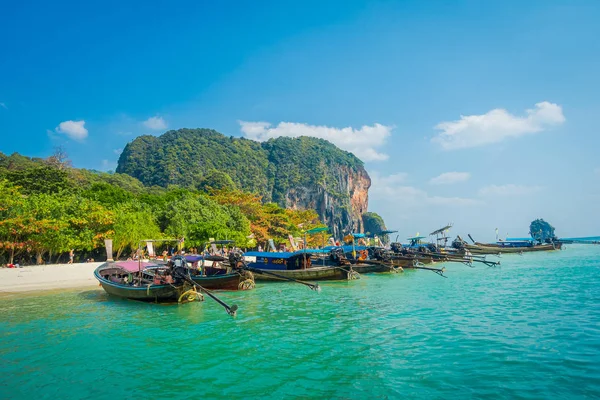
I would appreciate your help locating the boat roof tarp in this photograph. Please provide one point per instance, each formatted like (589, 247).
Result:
(417, 238)
(358, 235)
(193, 258)
(312, 251)
(271, 254)
(134, 266)
(386, 232)
(346, 248)
(441, 230)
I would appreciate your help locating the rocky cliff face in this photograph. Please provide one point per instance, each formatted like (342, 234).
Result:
(299, 173)
(341, 204)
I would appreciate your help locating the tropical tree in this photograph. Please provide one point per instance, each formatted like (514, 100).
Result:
(134, 222)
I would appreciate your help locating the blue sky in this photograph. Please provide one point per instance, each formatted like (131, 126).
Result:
(480, 113)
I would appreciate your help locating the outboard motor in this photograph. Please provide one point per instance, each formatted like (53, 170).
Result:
(432, 247)
(337, 255)
(179, 266)
(458, 244)
(396, 247)
(381, 254)
(236, 257)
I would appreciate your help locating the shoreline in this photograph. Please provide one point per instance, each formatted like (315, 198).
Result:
(48, 277)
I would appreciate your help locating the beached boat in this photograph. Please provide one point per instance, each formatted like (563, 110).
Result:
(296, 265)
(214, 273)
(139, 281)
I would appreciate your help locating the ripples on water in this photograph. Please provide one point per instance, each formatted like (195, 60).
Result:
(530, 329)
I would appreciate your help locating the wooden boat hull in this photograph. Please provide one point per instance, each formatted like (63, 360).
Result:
(309, 274)
(155, 293)
(372, 266)
(496, 249)
(219, 282)
(408, 261)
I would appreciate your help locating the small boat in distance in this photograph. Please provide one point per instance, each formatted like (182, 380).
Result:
(504, 247)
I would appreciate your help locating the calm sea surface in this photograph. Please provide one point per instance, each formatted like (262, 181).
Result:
(529, 330)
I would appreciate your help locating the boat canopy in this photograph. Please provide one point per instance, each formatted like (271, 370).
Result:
(271, 254)
(346, 248)
(313, 251)
(193, 258)
(134, 266)
(417, 238)
(441, 230)
(358, 235)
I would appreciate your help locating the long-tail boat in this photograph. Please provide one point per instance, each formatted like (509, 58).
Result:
(132, 280)
(480, 248)
(293, 265)
(215, 273)
(504, 247)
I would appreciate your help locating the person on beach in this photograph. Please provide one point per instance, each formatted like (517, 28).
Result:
(71, 255)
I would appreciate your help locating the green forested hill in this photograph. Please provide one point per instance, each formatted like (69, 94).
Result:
(186, 156)
(298, 173)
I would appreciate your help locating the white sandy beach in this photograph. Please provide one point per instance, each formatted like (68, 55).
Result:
(48, 277)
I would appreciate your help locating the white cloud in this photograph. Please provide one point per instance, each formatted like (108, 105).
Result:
(117, 151)
(385, 181)
(3, 105)
(448, 178)
(508, 190)
(155, 123)
(383, 188)
(73, 129)
(496, 125)
(363, 142)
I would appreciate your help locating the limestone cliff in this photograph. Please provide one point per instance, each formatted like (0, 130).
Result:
(340, 205)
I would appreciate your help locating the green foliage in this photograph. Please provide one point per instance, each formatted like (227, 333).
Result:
(107, 194)
(185, 156)
(134, 222)
(542, 231)
(374, 224)
(42, 223)
(216, 180)
(40, 179)
(197, 217)
(203, 158)
(201, 185)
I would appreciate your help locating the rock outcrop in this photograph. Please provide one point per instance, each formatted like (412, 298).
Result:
(298, 173)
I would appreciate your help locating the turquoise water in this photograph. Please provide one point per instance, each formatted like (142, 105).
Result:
(530, 329)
